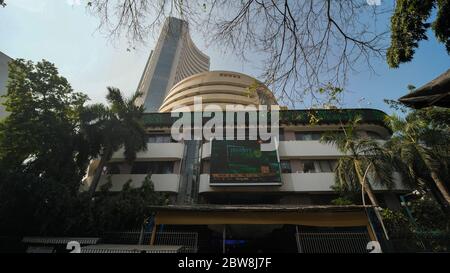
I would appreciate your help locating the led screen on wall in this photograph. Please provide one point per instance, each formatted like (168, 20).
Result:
(241, 162)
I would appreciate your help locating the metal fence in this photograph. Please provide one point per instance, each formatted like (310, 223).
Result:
(114, 249)
(332, 242)
(125, 237)
(187, 239)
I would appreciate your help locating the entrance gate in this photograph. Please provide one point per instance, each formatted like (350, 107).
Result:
(187, 239)
(332, 242)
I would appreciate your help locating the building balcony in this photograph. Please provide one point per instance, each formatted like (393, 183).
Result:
(294, 182)
(294, 149)
(160, 151)
(161, 182)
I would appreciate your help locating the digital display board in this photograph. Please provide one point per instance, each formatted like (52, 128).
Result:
(242, 163)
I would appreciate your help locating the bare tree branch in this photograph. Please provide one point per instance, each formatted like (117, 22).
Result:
(306, 45)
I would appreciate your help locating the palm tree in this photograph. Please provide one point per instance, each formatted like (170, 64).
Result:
(362, 158)
(421, 151)
(108, 128)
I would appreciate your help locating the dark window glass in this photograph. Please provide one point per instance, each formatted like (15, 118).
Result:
(113, 168)
(153, 167)
(165, 167)
(281, 132)
(308, 167)
(205, 167)
(158, 84)
(305, 136)
(141, 168)
(325, 166)
(160, 138)
(374, 135)
(333, 133)
(286, 166)
(319, 166)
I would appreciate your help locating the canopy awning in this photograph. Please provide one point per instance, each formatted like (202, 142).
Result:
(260, 208)
(434, 93)
(337, 216)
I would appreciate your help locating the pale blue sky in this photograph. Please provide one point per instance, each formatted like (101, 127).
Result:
(67, 36)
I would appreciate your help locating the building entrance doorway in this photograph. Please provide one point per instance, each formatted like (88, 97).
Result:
(253, 238)
(264, 230)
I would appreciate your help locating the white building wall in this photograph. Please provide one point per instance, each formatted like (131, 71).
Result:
(155, 151)
(294, 182)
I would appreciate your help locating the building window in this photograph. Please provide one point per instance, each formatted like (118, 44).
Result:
(205, 167)
(373, 135)
(159, 138)
(153, 167)
(308, 167)
(305, 136)
(285, 166)
(281, 136)
(315, 135)
(141, 168)
(327, 166)
(165, 167)
(112, 168)
(319, 166)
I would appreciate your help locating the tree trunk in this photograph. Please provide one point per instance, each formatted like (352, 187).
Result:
(441, 186)
(366, 186)
(371, 195)
(106, 155)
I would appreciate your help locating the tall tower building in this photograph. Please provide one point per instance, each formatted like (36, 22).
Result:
(174, 58)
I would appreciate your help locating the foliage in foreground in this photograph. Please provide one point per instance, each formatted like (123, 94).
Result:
(421, 152)
(409, 25)
(124, 210)
(426, 228)
(43, 157)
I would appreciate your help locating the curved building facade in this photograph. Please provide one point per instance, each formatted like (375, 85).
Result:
(174, 58)
(219, 88)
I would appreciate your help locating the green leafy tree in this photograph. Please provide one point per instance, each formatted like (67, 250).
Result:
(342, 201)
(397, 223)
(362, 159)
(108, 128)
(46, 142)
(409, 26)
(42, 155)
(126, 209)
(427, 227)
(428, 216)
(112, 211)
(420, 147)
